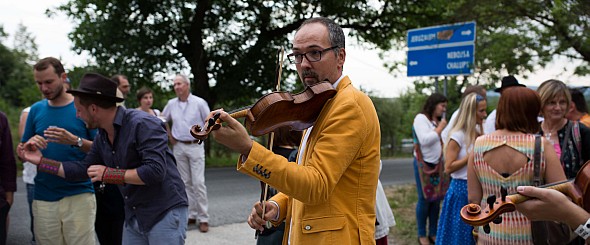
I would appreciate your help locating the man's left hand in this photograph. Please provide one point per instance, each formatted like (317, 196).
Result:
(95, 172)
(60, 136)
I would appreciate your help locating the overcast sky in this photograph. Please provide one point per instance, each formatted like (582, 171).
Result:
(363, 66)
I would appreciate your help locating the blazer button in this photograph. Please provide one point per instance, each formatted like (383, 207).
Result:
(307, 227)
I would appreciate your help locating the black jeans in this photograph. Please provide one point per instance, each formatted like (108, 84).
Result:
(3, 216)
(110, 215)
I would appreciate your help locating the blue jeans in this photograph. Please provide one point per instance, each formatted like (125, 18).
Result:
(425, 210)
(30, 196)
(171, 229)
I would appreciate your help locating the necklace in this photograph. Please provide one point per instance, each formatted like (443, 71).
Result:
(548, 132)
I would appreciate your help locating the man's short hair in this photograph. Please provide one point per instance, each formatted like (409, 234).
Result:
(579, 100)
(335, 32)
(184, 78)
(475, 89)
(44, 63)
(117, 78)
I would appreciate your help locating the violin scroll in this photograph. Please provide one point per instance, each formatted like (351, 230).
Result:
(201, 134)
(474, 215)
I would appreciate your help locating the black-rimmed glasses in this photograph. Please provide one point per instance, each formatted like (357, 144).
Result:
(311, 56)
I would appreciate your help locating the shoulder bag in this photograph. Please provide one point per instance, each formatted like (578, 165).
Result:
(435, 182)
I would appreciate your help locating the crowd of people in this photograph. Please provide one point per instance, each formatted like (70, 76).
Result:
(485, 155)
(95, 169)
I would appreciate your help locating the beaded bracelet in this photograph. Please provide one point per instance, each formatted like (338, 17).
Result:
(113, 176)
(584, 230)
(49, 166)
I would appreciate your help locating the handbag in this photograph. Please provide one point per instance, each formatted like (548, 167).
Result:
(547, 232)
(433, 179)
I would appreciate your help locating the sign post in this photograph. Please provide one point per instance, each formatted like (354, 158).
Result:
(446, 50)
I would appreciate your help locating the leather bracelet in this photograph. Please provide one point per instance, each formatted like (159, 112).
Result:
(584, 230)
(48, 166)
(114, 176)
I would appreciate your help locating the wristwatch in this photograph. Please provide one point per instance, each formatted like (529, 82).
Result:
(79, 142)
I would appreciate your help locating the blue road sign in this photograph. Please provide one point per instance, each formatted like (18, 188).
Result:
(440, 35)
(457, 60)
(441, 50)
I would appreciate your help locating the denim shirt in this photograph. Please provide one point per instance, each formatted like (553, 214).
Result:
(140, 143)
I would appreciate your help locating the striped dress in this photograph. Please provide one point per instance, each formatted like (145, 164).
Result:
(515, 227)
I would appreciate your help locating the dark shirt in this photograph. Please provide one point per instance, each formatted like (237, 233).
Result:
(573, 159)
(7, 161)
(140, 143)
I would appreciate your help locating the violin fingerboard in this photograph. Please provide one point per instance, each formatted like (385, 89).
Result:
(563, 188)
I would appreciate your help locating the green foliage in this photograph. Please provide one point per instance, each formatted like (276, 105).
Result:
(389, 114)
(16, 75)
(402, 199)
(229, 46)
(514, 37)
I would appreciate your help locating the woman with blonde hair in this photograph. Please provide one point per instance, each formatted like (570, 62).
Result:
(570, 139)
(458, 144)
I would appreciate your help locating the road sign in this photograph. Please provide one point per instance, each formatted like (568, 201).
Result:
(441, 50)
(447, 61)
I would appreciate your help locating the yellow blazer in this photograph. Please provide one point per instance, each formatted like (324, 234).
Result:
(328, 197)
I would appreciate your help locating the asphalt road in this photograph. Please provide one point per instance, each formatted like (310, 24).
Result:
(230, 193)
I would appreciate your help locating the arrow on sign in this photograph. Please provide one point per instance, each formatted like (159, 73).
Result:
(466, 33)
(413, 63)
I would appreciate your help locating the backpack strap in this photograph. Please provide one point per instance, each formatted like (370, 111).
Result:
(537, 161)
(577, 139)
(565, 141)
(417, 146)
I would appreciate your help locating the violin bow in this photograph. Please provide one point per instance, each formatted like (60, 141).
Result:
(278, 73)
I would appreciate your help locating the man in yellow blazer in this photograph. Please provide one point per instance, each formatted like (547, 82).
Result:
(328, 196)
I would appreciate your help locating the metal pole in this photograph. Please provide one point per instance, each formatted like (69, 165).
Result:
(436, 84)
(445, 87)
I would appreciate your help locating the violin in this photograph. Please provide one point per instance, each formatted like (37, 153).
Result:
(277, 109)
(576, 189)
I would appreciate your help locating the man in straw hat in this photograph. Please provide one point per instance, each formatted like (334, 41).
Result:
(130, 150)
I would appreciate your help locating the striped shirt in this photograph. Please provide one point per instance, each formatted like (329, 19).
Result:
(515, 227)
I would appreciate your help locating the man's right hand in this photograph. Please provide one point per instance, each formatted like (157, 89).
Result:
(39, 141)
(233, 134)
(29, 152)
(255, 219)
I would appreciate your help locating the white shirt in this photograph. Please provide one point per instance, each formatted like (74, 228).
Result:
(429, 140)
(383, 211)
(29, 169)
(459, 137)
(489, 125)
(185, 114)
(445, 133)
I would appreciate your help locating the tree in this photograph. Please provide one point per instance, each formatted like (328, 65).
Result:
(17, 87)
(229, 46)
(516, 37)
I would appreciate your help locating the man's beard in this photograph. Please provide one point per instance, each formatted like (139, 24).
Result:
(57, 94)
(307, 74)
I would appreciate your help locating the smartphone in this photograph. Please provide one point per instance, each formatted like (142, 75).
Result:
(444, 115)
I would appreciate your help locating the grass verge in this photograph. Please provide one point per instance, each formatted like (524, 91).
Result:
(402, 199)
